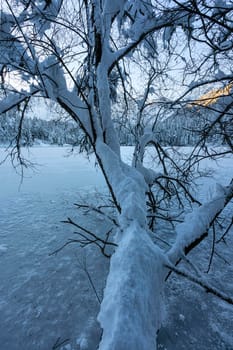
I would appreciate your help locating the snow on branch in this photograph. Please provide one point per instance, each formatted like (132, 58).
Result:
(15, 48)
(77, 109)
(146, 22)
(15, 99)
(149, 175)
(43, 12)
(196, 224)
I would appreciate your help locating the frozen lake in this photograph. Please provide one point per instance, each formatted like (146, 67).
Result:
(47, 300)
(55, 170)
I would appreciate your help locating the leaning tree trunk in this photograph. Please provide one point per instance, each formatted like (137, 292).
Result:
(131, 310)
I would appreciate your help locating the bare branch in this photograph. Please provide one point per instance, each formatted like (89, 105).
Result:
(202, 283)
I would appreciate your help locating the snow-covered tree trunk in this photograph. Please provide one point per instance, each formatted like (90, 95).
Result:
(134, 285)
(132, 309)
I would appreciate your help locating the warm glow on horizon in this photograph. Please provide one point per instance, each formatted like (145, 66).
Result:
(212, 96)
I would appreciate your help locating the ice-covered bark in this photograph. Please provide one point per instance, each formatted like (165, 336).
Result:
(132, 309)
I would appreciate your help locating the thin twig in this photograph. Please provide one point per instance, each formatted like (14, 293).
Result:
(212, 248)
(83, 266)
(222, 238)
(59, 343)
(86, 238)
(200, 282)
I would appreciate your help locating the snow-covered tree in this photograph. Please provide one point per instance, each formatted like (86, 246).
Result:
(83, 55)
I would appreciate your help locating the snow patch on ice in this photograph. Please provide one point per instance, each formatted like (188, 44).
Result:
(181, 317)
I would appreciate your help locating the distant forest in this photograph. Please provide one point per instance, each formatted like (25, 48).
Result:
(37, 130)
(180, 127)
